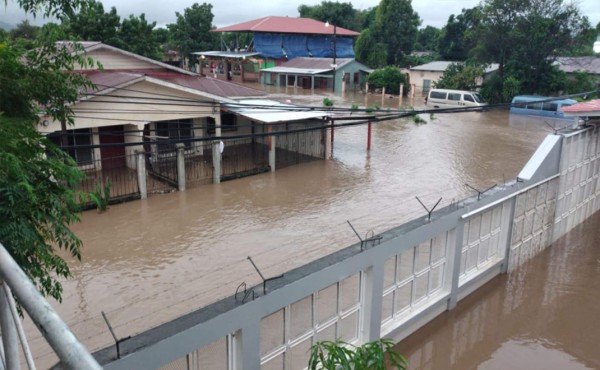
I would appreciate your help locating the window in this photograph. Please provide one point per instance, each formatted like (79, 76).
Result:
(438, 95)
(535, 106)
(171, 131)
(454, 96)
(228, 122)
(74, 138)
(468, 97)
(426, 85)
(552, 107)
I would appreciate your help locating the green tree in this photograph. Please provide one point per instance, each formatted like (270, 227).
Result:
(340, 355)
(341, 14)
(457, 38)
(370, 52)
(37, 202)
(396, 26)
(92, 23)
(460, 76)
(389, 77)
(25, 30)
(191, 32)
(524, 37)
(428, 39)
(138, 36)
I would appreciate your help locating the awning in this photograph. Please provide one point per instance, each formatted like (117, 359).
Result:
(226, 54)
(296, 71)
(271, 111)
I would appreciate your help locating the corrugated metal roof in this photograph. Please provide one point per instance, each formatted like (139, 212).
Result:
(286, 25)
(588, 108)
(110, 79)
(227, 54)
(441, 66)
(271, 114)
(572, 64)
(297, 71)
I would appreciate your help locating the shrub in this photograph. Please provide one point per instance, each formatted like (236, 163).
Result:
(344, 356)
(389, 77)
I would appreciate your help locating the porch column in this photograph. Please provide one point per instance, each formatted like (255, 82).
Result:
(272, 148)
(216, 157)
(180, 166)
(141, 173)
(312, 82)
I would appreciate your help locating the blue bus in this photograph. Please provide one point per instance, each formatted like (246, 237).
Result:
(543, 106)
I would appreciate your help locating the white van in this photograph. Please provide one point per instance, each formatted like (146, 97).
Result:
(444, 98)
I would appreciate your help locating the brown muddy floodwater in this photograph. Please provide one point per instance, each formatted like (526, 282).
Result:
(539, 317)
(146, 262)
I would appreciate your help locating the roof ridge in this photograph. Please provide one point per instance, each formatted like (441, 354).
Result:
(261, 22)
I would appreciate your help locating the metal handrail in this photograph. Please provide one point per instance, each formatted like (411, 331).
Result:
(70, 351)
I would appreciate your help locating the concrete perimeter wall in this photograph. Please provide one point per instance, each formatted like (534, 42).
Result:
(388, 288)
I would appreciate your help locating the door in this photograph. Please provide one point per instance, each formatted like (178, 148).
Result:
(112, 156)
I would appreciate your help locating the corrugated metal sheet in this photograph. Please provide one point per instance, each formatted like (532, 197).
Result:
(111, 79)
(588, 108)
(273, 111)
(286, 25)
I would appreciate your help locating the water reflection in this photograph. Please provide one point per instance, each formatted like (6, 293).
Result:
(539, 317)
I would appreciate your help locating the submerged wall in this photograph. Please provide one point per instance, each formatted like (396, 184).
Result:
(388, 287)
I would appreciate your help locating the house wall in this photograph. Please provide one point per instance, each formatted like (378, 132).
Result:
(419, 77)
(125, 106)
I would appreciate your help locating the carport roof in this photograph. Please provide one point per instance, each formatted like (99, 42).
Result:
(271, 111)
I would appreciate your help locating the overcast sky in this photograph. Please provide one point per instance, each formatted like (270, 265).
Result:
(228, 12)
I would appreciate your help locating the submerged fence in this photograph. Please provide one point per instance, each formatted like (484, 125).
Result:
(161, 168)
(390, 286)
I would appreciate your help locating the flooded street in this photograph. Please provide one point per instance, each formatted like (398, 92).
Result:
(538, 317)
(146, 262)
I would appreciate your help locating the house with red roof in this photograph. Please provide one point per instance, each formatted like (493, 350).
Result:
(279, 40)
(589, 111)
(142, 114)
(136, 98)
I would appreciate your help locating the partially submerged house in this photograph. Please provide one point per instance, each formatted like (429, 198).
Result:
(141, 113)
(311, 73)
(423, 77)
(275, 41)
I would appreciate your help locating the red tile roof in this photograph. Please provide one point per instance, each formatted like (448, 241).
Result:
(592, 106)
(113, 79)
(286, 25)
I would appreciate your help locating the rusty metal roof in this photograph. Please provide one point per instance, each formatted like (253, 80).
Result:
(588, 108)
(275, 24)
(106, 80)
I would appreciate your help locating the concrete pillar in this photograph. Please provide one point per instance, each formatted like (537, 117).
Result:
(141, 173)
(180, 166)
(372, 302)
(454, 264)
(216, 156)
(272, 149)
(9, 334)
(400, 95)
(382, 97)
(343, 85)
(247, 346)
(312, 82)
(508, 216)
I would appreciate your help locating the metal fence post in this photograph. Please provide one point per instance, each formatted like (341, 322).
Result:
(180, 166)
(141, 173)
(9, 334)
(71, 352)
